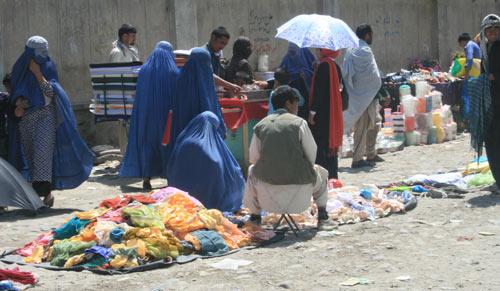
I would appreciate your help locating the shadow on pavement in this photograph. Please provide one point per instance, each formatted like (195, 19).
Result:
(22, 214)
(488, 200)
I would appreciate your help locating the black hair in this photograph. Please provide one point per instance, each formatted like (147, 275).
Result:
(282, 95)
(464, 37)
(219, 32)
(6, 79)
(282, 76)
(126, 29)
(363, 30)
(242, 47)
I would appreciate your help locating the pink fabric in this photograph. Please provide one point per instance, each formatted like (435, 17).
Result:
(41, 240)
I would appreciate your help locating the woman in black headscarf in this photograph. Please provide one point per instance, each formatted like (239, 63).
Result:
(239, 70)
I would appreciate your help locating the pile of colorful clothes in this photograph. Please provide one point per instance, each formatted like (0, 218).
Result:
(129, 231)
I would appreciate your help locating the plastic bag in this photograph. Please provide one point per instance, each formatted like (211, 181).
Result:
(481, 180)
(144, 216)
(458, 68)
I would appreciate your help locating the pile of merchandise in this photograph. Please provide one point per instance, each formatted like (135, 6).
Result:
(423, 119)
(348, 205)
(114, 89)
(128, 232)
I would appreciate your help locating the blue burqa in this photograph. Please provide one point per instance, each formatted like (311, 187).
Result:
(202, 165)
(195, 94)
(72, 160)
(145, 156)
(298, 62)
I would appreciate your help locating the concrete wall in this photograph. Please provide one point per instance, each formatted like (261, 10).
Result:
(81, 31)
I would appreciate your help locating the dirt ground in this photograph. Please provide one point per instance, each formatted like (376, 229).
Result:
(438, 246)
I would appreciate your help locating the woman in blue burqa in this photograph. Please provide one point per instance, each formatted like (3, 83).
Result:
(202, 165)
(298, 62)
(146, 156)
(195, 93)
(44, 142)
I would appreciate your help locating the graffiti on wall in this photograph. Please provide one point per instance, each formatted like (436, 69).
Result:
(261, 31)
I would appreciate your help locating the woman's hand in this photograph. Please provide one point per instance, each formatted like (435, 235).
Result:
(35, 69)
(261, 84)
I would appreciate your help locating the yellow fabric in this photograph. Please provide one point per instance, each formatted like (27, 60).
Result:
(36, 257)
(159, 243)
(75, 260)
(474, 168)
(91, 214)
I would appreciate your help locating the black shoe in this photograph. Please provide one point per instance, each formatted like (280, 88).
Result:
(376, 159)
(255, 219)
(322, 213)
(361, 164)
(146, 185)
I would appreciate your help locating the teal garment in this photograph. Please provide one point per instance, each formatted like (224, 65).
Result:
(66, 249)
(270, 104)
(71, 228)
(94, 262)
(212, 243)
(116, 235)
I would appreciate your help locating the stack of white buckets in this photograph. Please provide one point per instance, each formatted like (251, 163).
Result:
(423, 119)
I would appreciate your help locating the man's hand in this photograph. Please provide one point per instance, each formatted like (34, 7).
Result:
(261, 84)
(311, 119)
(233, 88)
(491, 77)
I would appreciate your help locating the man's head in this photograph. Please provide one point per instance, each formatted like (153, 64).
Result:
(463, 39)
(281, 77)
(285, 98)
(219, 39)
(127, 33)
(365, 32)
(6, 82)
(492, 33)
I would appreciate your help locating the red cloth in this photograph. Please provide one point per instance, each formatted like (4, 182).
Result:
(336, 116)
(143, 199)
(17, 275)
(168, 129)
(249, 110)
(115, 203)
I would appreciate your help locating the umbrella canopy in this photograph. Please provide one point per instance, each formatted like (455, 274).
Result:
(15, 190)
(318, 31)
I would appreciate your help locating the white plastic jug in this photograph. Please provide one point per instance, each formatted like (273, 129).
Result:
(422, 89)
(263, 65)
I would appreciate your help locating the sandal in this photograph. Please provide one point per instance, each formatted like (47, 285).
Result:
(49, 201)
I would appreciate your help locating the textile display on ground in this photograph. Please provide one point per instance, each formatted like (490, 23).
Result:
(114, 87)
(138, 233)
(476, 175)
(349, 204)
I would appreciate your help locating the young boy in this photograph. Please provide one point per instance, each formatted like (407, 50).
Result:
(282, 79)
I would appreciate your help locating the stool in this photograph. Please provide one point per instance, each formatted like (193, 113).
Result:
(291, 223)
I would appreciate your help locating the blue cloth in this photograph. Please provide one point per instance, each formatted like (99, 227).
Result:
(70, 228)
(202, 165)
(195, 94)
(72, 160)
(145, 156)
(299, 62)
(116, 235)
(97, 250)
(270, 103)
(212, 243)
(472, 51)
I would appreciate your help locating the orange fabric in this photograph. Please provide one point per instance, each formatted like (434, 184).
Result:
(336, 124)
(179, 213)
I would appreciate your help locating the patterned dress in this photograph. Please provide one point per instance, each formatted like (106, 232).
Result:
(38, 137)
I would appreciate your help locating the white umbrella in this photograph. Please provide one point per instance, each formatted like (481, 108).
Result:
(318, 31)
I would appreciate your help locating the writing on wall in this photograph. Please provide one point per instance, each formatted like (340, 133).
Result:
(261, 31)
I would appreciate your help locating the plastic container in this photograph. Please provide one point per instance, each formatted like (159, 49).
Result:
(404, 90)
(432, 137)
(411, 138)
(409, 105)
(437, 121)
(421, 105)
(440, 134)
(410, 123)
(263, 63)
(399, 136)
(428, 104)
(422, 89)
(422, 121)
(424, 136)
(437, 100)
